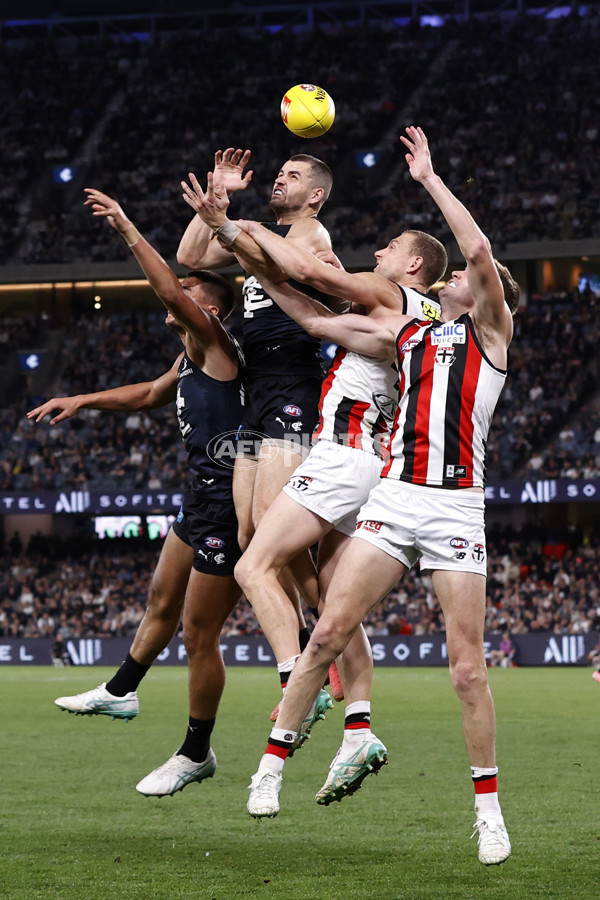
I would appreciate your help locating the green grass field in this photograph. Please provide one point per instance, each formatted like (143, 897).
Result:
(73, 826)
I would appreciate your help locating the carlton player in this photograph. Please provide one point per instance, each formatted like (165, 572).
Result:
(195, 569)
(284, 370)
(429, 505)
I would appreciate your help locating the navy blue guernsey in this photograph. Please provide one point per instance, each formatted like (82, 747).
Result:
(206, 409)
(273, 343)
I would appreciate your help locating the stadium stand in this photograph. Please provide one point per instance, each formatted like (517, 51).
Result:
(133, 115)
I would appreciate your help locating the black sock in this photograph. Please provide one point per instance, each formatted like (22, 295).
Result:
(197, 739)
(304, 636)
(127, 678)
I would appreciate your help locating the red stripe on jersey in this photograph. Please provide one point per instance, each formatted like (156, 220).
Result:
(326, 386)
(404, 335)
(467, 403)
(421, 448)
(357, 414)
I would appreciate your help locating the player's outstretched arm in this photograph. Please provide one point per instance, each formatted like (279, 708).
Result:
(128, 397)
(165, 284)
(374, 338)
(367, 288)
(211, 206)
(484, 282)
(198, 248)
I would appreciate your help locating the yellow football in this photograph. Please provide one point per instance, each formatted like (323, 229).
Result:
(307, 110)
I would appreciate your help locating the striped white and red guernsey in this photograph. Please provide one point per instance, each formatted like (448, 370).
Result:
(448, 393)
(359, 395)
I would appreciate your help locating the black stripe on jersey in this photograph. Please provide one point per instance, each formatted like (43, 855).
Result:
(416, 365)
(342, 416)
(404, 300)
(453, 407)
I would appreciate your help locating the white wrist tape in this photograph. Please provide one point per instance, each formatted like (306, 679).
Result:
(228, 232)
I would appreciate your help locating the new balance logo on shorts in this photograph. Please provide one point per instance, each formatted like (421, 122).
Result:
(369, 525)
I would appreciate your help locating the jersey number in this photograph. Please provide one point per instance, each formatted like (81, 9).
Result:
(184, 426)
(254, 297)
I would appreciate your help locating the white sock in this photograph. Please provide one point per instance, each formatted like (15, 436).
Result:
(486, 804)
(270, 763)
(354, 736)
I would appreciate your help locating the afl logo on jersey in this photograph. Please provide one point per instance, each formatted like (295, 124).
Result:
(214, 542)
(460, 543)
(292, 410)
(408, 345)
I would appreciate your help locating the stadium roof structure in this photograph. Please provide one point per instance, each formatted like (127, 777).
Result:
(24, 18)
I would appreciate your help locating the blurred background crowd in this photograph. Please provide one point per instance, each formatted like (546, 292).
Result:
(133, 117)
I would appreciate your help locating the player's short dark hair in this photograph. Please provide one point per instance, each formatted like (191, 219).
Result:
(221, 291)
(512, 291)
(435, 258)
(320, 173)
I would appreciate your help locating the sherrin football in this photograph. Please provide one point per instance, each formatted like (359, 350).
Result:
(307, 110)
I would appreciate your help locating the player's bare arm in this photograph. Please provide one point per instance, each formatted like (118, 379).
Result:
(198, 248)
(367, 288)
(128, 397)
(202, 328)
(376, 339)
(490, 313)
(212, 206)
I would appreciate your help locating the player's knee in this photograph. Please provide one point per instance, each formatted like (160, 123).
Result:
(196, 638)
(248, 573)
(469, 677)
(329, 638)
(163, 605)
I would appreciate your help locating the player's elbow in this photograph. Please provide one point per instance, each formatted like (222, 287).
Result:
(478, 250)
(183, 259)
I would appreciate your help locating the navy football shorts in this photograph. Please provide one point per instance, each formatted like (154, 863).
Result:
(279, 408)
(210, 529)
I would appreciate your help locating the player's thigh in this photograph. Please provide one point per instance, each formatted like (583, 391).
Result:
(286, 529)
(462, 598)
(209, 600)
(172, 572)
(331, 548)
(244, 475)
(363, 576)
(276, 463)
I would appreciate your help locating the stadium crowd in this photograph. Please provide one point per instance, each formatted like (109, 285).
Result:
(545, 426)
(156, 112)
(538, 581)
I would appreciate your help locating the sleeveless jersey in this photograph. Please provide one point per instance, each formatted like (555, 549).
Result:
(359, 395)
(206, 409)
(274, 344)
(448, 391)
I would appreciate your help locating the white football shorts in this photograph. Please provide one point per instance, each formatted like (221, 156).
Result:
(334, 481)
(442, 528)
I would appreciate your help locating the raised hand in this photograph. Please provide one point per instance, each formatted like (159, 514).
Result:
(67, 407)
(418, 157)
(211, 206)
(229, 169)
(103, 205)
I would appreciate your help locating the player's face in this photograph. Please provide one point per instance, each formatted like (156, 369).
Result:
(455, 296)
(293, 187)
(393, 261)
(171, 322)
